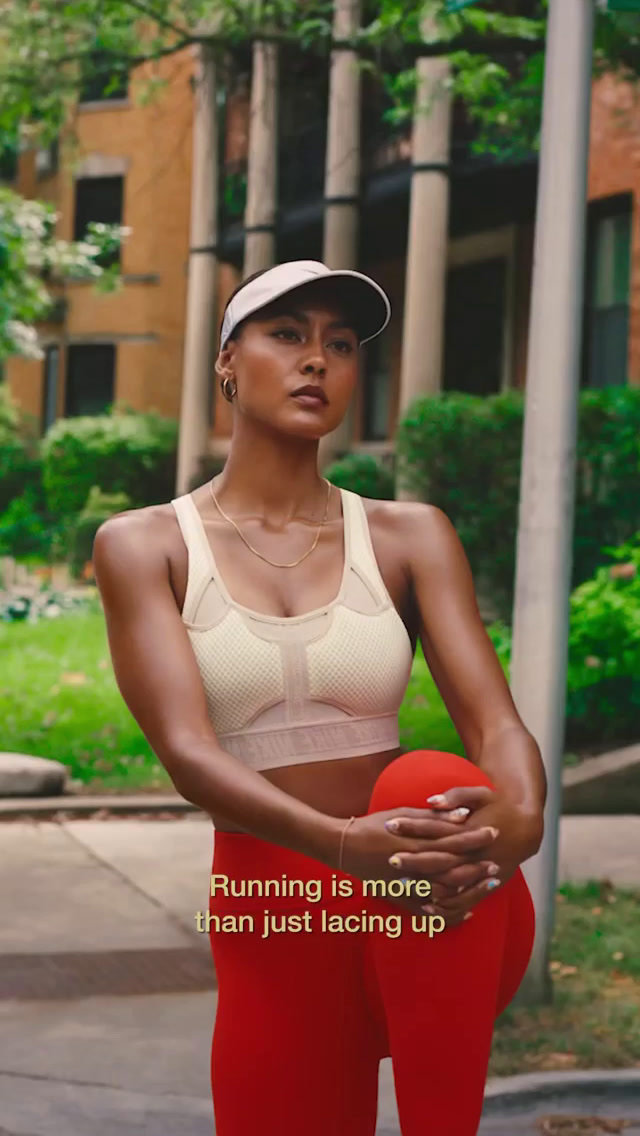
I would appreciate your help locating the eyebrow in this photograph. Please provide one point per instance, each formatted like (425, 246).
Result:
(297, 314)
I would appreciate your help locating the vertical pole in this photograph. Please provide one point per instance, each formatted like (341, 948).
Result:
(199, 346)
(260, 214)
(546, 510)
(342, 179)
(426, 268)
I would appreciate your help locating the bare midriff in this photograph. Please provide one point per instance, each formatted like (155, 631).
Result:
(340, 787)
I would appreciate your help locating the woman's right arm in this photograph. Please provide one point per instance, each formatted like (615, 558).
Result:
(158, 677)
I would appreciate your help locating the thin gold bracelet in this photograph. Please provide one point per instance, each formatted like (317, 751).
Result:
(344, 832)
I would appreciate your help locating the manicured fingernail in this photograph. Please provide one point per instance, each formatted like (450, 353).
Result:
(494, 831)
(491, 884)
(429, 908)
(468, 916)
(393, 825)
(395, 861)
(438, 799)
(461, 888)
(461, 812)
(493, 870)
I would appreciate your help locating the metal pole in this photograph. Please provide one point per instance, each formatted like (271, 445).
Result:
(545, 528)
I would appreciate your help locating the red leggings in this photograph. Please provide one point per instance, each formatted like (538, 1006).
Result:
(304, 1017)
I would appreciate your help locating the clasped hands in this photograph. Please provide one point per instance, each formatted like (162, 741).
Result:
(461, 871)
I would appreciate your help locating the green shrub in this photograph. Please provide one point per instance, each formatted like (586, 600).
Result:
(98, 508)
(123, 452)
(20, 464)
(463, 453)
(362, 474)
(607, 475)
(603, 665)
(26, 529)
(603, 700)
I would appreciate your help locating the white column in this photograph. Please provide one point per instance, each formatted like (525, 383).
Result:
(199, 353)
(546, 511)
(260, 213)
(426, 267)
(342, 180)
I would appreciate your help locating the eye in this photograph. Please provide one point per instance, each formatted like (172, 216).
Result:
(344, 346)
(287, 333)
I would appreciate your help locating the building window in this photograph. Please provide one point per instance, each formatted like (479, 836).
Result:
(9, 151)
(377, 389)
(474, 327)
(103, 79)
(46, 160)
(50, 387)
(91, 369)
(98, 199)
(607, 294)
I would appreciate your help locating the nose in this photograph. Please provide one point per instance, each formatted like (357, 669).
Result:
(314, 360)
(314, 366)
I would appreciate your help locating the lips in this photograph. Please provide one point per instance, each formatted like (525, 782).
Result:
(310, 401)
(311, 395)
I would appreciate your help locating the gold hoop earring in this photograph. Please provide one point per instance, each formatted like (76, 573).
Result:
(224, 388)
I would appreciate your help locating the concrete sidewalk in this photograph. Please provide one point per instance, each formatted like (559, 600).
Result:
(107, 1001)
(139, 1067)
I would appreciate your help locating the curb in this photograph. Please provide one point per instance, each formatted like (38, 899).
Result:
(504, 1095)
(67, 807)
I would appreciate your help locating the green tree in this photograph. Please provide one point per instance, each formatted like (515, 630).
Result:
(49, 50)
(33, 261)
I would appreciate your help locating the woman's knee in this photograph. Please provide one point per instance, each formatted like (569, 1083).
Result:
(412, 777)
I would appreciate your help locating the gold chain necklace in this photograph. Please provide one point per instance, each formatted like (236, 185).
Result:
(272, 562)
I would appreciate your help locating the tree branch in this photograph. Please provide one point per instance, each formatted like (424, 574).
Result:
(128, 60)
(473, 44)
(161, 20)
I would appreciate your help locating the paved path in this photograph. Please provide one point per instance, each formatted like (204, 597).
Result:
(98, 1038)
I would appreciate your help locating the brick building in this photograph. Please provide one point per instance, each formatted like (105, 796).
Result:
(134, 166)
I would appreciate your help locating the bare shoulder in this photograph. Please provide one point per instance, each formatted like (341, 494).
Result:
(418, 527)
(392, 515)
(434, 556)
(400, 515)
(140, 535)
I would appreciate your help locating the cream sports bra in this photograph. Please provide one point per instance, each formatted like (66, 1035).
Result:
(286, 690)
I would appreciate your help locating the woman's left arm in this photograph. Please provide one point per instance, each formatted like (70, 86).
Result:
(468, 674)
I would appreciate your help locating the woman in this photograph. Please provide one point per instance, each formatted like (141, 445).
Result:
(262, 630)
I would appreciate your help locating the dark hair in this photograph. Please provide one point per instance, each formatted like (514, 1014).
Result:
(237, 329)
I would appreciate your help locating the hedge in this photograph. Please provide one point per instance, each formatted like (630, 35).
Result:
(123, 452)
(463, 453)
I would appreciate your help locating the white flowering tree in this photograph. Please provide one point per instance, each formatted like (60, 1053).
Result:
(34, 263)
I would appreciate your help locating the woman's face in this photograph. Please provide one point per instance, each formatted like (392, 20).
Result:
(303, 338)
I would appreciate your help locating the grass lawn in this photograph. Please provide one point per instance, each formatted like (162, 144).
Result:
(594, 1021)
(59, 699)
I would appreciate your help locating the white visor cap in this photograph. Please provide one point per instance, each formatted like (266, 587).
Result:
(363, 298)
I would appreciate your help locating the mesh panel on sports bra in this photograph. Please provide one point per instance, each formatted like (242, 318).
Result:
(285, 690)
